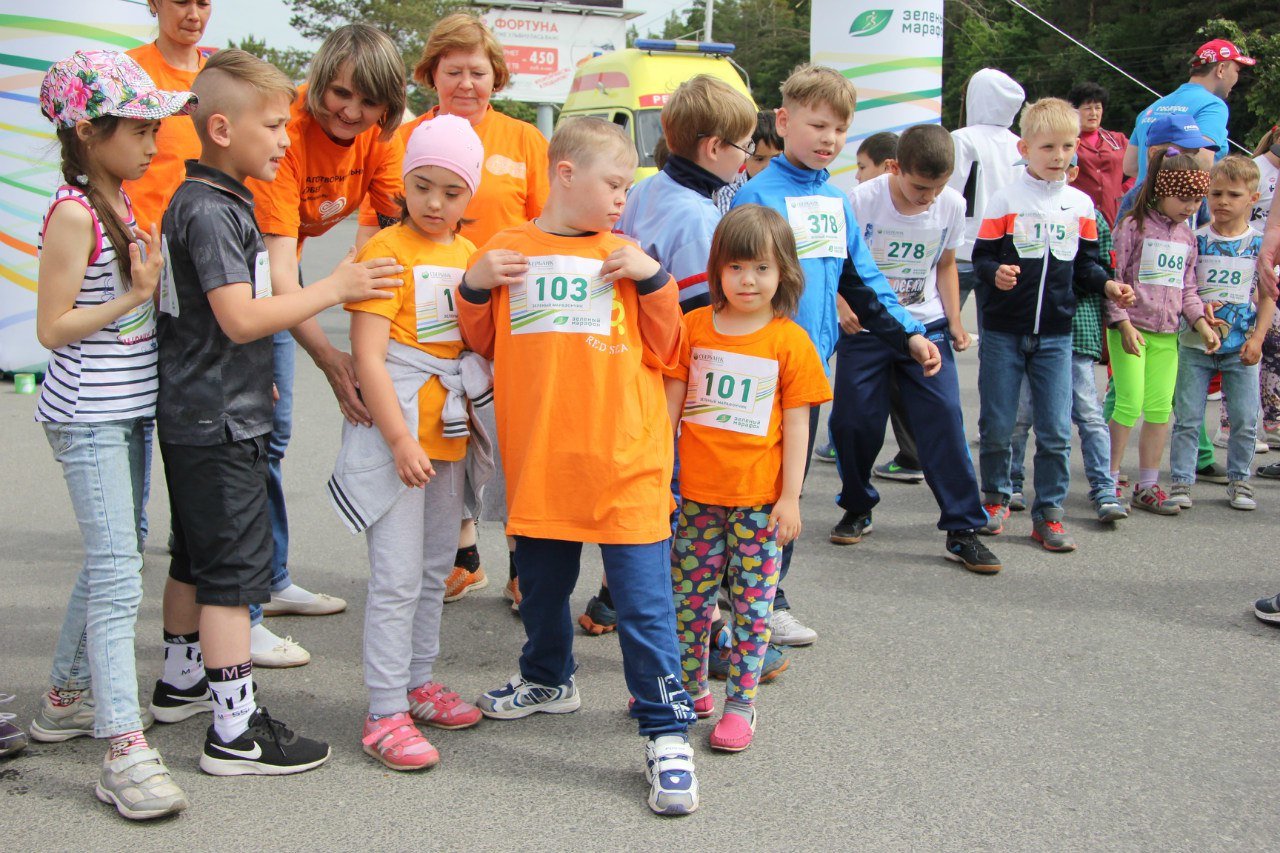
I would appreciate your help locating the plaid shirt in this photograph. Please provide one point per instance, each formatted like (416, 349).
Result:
(1086, 326)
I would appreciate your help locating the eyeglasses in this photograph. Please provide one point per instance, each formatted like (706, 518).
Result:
(749, 149)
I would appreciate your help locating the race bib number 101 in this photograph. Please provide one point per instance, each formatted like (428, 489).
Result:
(562, 293)
(731, 391)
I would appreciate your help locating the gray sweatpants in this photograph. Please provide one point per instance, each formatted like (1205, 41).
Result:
(411, 551)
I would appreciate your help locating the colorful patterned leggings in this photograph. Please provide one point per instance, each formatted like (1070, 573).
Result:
(1269, 377)
(708, 539)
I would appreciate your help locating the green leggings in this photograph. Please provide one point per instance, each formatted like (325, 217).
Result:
(1205, 456)
(1144, 382)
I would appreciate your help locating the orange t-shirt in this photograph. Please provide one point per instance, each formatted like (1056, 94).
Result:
(320, 181)
(175, 143)
(513, 185)
(420, 315)
(582, 422)
(731, 429)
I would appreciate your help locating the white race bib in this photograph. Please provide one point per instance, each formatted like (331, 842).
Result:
(1225, 279)
(819, 227)
(1163, 262)
(137, 325)
(168, 292)
(261, 276)
(730, 391)
(435, 295)
(906, 256)
(562, 293)
(1033, 233)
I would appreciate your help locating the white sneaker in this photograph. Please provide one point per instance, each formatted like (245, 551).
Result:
(668, 768)
(139, 786)
(1271, 437)
(1261, 446)
(1222, 438)
(1180, 494)
(293, 600)
(273, 652)
(788, 631)
(1240, 495)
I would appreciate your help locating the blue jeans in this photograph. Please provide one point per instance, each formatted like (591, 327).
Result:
(284, 351)
(1086, 414)
(1239, 392)
(639, 579)
(102, 464)
(1005, 360)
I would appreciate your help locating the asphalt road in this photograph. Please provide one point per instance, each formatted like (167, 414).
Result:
(1120, 697)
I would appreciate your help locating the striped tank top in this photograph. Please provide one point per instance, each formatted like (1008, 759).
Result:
(111, 374)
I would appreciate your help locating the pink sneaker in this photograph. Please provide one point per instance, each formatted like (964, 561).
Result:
(733, 733)
(703, 706)
(397, 743)
(435, 705)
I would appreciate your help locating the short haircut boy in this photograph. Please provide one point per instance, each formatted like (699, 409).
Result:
(222, 83)
(463, 33)
(1049, 115)
(377, 71)
(767, 130)
(750, 232)
(1237, 170)
(926, 150)
(817, 85)
(581, 139)
(703, 107)
(880, 146)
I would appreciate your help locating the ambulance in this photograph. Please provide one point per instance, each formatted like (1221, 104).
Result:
(630, 87)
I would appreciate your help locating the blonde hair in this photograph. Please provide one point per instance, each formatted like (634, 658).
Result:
(1236, 169)
(702, 107)
(582, 139)
(753, 232)
(377, 72)
(463, 33)
(226, 75)
(1049, 115)
(813, 85)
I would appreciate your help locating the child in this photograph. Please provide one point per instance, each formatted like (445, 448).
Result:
(1226, 262)
(1267, 157)
(94, 312)
(740, 475)
(425, 371)
(578, 345)
(1157, 252)
(1038, 239)
(912, 223)
(765, 145)
(214, 414)
(875, 154)
(817, 107)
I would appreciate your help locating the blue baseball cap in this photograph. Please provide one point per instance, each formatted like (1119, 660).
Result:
(1178, 129)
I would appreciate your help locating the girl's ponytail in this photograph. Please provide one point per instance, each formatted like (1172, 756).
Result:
(1169, 158)
(75, 172)
(1269, 139)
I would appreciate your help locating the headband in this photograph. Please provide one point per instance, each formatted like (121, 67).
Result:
(1181, 183)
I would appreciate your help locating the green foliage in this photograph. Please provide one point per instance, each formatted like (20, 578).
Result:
(292, 61)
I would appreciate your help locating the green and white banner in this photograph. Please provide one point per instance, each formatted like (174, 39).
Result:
(892, 51)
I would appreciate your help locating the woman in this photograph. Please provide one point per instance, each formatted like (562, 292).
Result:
(1101, 151)
(462, 61)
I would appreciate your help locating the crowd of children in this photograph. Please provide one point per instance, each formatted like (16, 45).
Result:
(689, 361)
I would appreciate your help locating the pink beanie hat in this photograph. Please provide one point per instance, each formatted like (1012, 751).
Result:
(449, 142)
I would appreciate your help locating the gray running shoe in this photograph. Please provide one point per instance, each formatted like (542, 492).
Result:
(54, 725)
(139, 786)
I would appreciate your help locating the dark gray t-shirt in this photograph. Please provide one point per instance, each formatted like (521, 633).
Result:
(212, 390)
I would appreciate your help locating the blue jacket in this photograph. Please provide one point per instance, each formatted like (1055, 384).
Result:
(816, 314)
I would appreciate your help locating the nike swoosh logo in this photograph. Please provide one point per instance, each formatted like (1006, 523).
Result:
(1068, 207)
(187, 700)
(251, 754)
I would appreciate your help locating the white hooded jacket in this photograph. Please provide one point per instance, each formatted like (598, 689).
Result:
(986, 149)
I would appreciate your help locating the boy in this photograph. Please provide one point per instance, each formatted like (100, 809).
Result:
(875, 154)
(579, 324)
(214, 414)
(1038, 238)
(765, 145)
(913, 224)
(1226, 267)
(1086, 413)
(817, 108)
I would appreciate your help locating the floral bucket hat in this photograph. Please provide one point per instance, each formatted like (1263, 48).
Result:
(93, 83)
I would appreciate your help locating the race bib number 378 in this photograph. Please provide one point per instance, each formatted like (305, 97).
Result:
(818, 225)
(561, 293)
(731, 391)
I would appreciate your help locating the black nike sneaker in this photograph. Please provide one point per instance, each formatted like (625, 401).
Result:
(171, 705)
(267, 748)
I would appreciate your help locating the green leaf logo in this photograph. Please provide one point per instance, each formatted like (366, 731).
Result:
(561, 320)
(722, 419)
(870, 22)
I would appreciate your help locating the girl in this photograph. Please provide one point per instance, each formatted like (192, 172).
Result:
(1267, 156)
(95, 314)
(415, 387)
(1156, 254)
(747, 378)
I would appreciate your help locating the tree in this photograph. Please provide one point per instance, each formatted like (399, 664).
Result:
(292, 61)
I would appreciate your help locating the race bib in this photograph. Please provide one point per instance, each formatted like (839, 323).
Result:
(562, 293)
(906, 256)
(730, 391)
(261, 276)
(1225, 279)
(168, 291)
(1163, 263)
(435, 295)
(1033, 233)
(137, 325)
(818, 225)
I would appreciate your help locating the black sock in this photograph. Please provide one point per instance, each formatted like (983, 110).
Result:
(468, 558)
(605, 596)
(511, 565)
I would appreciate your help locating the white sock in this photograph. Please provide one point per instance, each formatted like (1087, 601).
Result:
(294, 593)
(233, 703)
(262, 639)
(183, 663)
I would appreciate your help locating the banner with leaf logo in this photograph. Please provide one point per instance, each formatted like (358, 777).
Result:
(892, 51)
